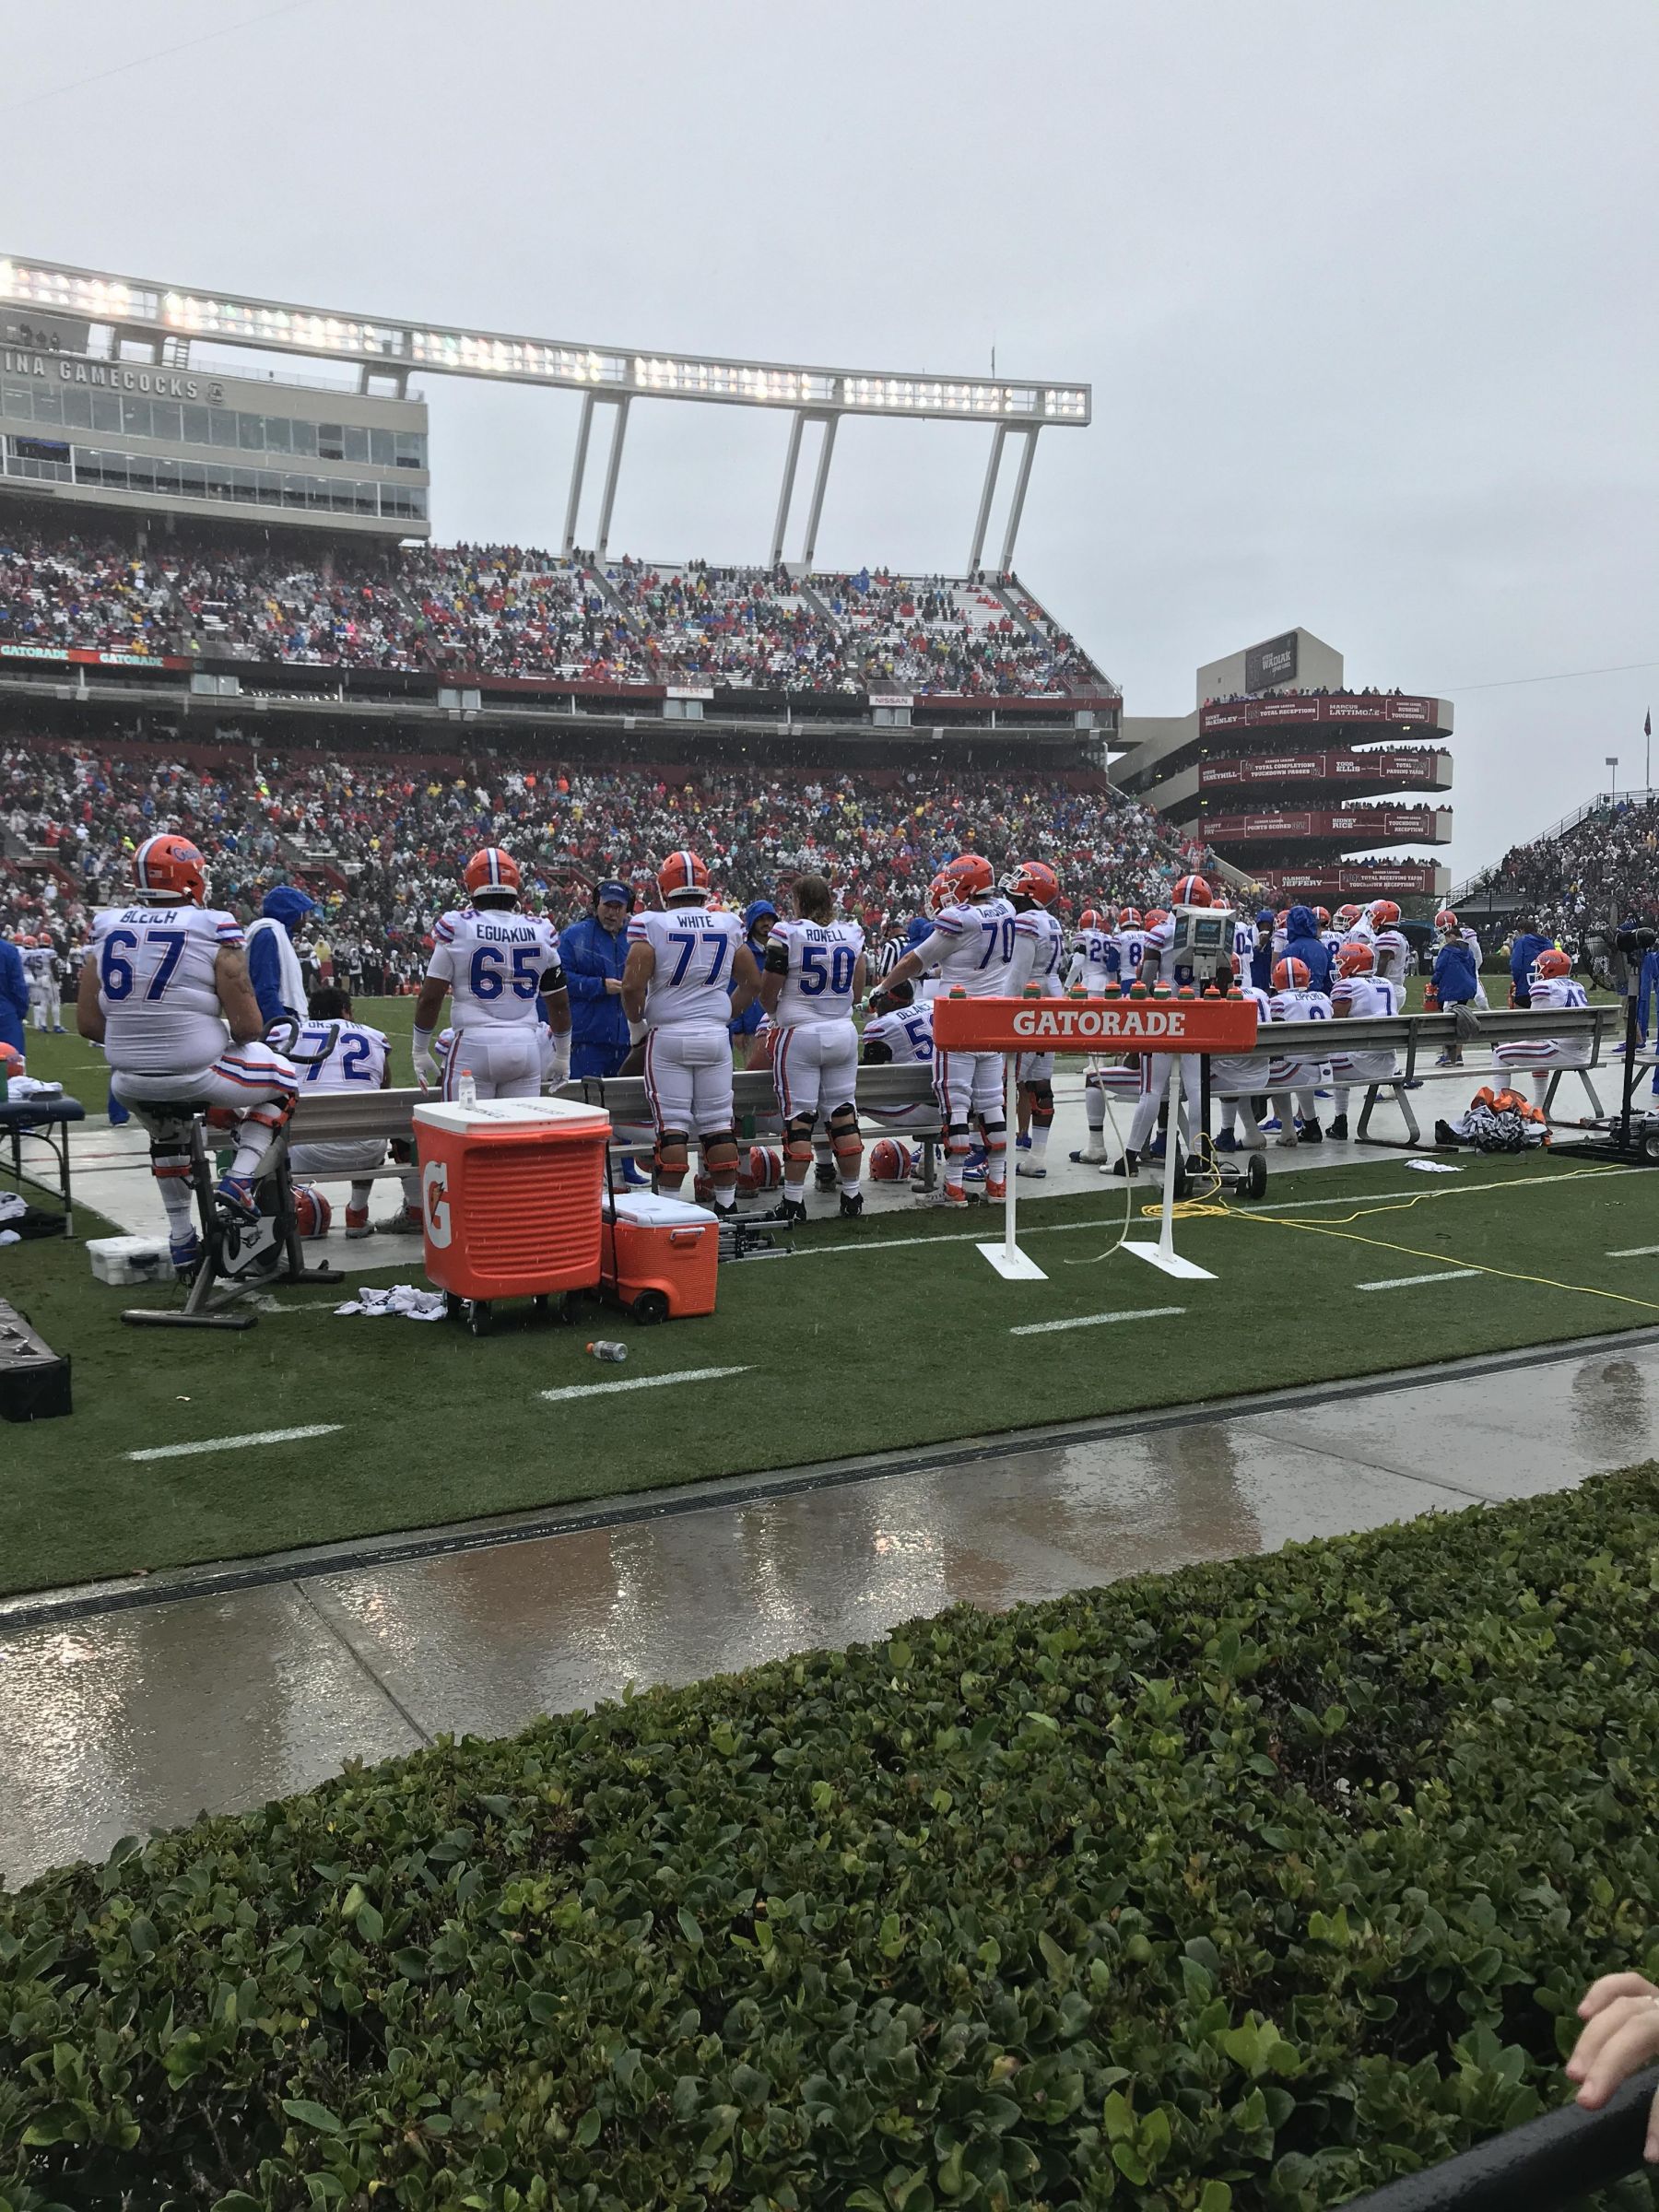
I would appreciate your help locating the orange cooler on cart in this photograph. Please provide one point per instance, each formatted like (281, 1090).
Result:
(661, 1256)
(510, 1192)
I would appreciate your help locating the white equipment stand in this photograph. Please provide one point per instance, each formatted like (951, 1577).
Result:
(1010, 1263)
(1163, 1253)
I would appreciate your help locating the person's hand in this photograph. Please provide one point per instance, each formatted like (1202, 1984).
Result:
(426, 1068)
(1621, 2037)
(613, 984)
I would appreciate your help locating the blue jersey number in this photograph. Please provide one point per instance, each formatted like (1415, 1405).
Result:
(997, 932)
(488, 981)
(837, 978)
(115, 972)
(687, 944)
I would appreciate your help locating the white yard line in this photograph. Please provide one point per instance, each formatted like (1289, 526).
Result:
(1408, 1282)
(1095, 1321)
(1635, 1251)
(599, 1389)
(237, 1443)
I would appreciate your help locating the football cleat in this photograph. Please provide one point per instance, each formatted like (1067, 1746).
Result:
(1310, 1134)
(185, 1252)
(852, 1206)
(235, 1193)
(1091, 1156)
(1227, 1141)
(1338, 1130)
(824, 1176)
(404, 1222)
(358, 1223)
(1128, 1167)
(1031, 1170)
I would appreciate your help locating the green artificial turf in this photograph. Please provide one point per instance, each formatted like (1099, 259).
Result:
(886, 1335)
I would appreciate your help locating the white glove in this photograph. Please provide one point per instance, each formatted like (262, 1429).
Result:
(426, 1064)
(560, 1070)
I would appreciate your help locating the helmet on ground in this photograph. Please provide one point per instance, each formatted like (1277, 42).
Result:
(1554, 962)
(1131, 918)
(971, 873)
(765, 1169)
(1191, 890)
(1346, 917)
(491, 873)
(1358, 958)
(171, 867)
(1035, 880)
(1384, 914)
(1092, 918)
(1291, 975)
(1445, 919)
(1322, 914)
(312, 1212)
(889, 1160)
(684, 875)
(1155, 918)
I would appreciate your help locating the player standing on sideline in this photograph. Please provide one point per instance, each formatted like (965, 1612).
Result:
(1159, 932)
(1393, 951)
(973, 943)
(679, 958)
(500, 968)
(46, 981)
(1096, 954)
(166, 994)
(812, 978)
(1238, 1080)
(1031, 889)
(1295, 999)
(1359, 993)
(332, 1051)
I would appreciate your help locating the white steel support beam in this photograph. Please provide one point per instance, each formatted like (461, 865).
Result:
(819, 481)
(612, 470)
(797, 424)
(1017, 506)
(998, 439)
(578, 470)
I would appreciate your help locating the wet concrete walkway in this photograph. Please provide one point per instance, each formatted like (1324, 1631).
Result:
(113, 1722)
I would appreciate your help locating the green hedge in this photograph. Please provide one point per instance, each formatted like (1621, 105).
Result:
(1247, 1886)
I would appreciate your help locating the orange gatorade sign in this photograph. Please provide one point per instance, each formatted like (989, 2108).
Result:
(1094, 1025)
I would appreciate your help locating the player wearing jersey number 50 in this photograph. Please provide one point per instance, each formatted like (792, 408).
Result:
(680, 959)
(511, 1015)
(977, 948)
(165, 991)
(814, 976)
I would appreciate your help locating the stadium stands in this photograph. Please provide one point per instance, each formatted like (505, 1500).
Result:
(378, 836)
(1601, 865)
(516, 612)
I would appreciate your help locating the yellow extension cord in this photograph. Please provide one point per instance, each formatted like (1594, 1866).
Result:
(1202, 1209)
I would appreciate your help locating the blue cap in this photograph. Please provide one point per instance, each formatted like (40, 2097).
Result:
(613, 889)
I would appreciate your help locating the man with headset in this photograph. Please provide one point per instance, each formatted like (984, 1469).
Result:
(594, 952)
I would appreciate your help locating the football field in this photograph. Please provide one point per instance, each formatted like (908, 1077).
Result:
(886, 1335)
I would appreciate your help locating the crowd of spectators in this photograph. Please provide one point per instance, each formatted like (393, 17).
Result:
(380, 842)
(1603, 869)
(521, 612)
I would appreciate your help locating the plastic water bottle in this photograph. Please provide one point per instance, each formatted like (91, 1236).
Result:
(466, 1090)
(607, 1348)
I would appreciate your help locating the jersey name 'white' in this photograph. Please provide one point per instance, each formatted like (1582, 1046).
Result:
(817, 983)
(695, 948)
(497, 963)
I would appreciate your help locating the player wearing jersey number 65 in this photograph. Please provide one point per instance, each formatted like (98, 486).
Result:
(680, 959)
(813, 977)
(165, 991)
(500, 968)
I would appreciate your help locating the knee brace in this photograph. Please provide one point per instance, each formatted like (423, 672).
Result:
(719, 1148)
(995, 1135)
(959, 1139)
(169, 1155)
(668, 1154)
(846, 1138)
(1042, 1096)
(798, 1139)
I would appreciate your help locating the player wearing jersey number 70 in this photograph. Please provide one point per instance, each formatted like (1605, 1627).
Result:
(680, 959)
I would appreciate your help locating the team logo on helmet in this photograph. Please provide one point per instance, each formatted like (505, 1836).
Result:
(890, 1161)
(971, 873)
(171, 867)
(1191, 890)
(1445, 919)
(1155, 918)
(1354, 959)
(1384, 914)
(941, 893)
(312, 1212)
(1035, 880)
(1552, 963)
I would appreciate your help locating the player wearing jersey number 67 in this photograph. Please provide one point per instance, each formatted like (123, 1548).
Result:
(680, 959)
(500, 968)
(813, 977)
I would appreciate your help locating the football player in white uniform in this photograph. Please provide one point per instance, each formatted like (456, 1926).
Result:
(332, 1051)
(1550, 984)
(1031, 889)
(976, 947)
(1131, 940)
(680, 957)
(1237, 1080)
(1358, 993)
(44, 970)
(1096, 956)
(1294, 999)
(1394, 949)
(166, 993)
(811, 979)
(900, 1033)
(499, 968)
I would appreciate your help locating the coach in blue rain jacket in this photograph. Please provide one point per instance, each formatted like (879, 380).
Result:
(14, 994)
(1303, 942)
(593, 953)
(756, 911)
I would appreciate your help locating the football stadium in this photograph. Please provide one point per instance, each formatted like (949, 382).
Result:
(791, 1417)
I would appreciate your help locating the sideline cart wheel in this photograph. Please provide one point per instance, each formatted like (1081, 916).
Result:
(478, 1316)
(1255, 1177)
(650, 1308)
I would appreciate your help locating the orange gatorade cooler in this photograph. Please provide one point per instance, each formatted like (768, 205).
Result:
(661, 1256)
(510, 1192)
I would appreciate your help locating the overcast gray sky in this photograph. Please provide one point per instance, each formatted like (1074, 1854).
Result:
(1366, 292)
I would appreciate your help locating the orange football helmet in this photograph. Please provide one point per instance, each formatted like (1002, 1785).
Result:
(1358, 958)
(1445, 919)
(941, 893)
(11, 1060)
(1322, 914)
(1091, 918)
(1346, 917)
(171, 867)
(683, 874)
(1384, 914)
(1154, 918)
(1291, 975)
(1554, 962)
(1131, 918)
(1191, 890)
(492, 870)
(971, 873)
(1035, 880)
